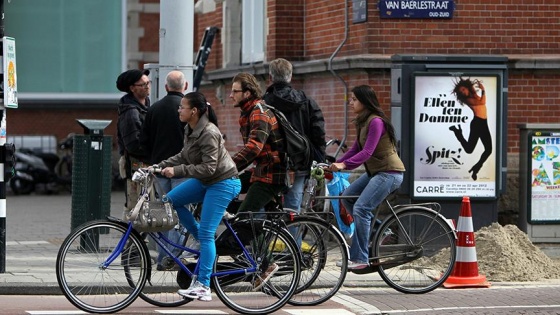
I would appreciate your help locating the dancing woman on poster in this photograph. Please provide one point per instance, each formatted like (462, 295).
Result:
(467, 95)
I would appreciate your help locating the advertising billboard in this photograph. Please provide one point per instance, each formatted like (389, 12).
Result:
(10, 78)
(456, 134)
(544, 181)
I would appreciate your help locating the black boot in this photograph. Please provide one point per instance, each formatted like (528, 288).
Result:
(456, 130)
(475, 169)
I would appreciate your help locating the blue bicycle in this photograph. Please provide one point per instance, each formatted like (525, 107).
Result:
(104, 265)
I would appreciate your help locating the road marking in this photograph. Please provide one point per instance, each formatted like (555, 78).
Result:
(502, 307)
(333, 311)
(355, 305)
(190, 312)
(12, 243)
(55, 312)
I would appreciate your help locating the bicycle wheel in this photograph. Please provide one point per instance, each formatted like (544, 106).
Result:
(86, 281)
(161, 286)
(415, 253)
(322, 249)
(272, 245)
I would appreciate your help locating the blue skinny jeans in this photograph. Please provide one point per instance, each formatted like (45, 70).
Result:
(215, 198)
(372, 191)
(292, 199)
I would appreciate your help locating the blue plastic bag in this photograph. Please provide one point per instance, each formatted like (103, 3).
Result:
(336, 186)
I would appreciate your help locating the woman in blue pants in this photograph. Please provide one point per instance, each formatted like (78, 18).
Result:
(375, 149)
(212, 179)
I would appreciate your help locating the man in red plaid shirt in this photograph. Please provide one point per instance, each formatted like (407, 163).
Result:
(262, 141)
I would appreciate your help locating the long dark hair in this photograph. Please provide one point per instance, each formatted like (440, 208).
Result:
(366, 95)
(197, 99)
(466, 83)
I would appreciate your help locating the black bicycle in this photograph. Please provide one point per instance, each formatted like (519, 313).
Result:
(413, 248)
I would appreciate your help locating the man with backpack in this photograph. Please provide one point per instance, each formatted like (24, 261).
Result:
(304, 115)
(262, 143)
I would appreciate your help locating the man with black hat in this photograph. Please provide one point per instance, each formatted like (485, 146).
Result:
(132, 109)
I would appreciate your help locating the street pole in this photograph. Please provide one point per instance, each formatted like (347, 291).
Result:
(176, 42)
(2, 153)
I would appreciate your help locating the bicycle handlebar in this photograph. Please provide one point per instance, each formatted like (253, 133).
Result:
(142, 173)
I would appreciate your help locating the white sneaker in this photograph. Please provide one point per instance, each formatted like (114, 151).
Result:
(339, 263)
(356, 265)
(197, 291)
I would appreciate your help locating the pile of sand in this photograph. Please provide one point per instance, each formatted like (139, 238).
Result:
(505, 253)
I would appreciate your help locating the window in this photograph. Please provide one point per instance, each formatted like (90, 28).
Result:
(66, 46)
(253, 31)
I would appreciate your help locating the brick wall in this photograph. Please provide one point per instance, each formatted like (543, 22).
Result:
(533, 98)
(286, 38)
(58, 122)
(477, 27)
(481, 27)
(309, 31)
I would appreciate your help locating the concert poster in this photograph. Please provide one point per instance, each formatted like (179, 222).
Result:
(455, 135)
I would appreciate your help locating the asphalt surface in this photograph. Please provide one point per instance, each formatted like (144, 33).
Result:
(37, 224)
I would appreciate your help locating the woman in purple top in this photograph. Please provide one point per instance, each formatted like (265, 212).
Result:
(375, 149)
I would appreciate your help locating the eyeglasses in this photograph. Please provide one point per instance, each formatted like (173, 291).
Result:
(236, 91)
(144, 85)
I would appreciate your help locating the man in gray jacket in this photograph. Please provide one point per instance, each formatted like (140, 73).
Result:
(305, 116)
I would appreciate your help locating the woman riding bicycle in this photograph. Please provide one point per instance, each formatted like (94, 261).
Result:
(212, 180)
(375, 148)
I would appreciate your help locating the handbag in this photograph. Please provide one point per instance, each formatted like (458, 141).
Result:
(152, 214)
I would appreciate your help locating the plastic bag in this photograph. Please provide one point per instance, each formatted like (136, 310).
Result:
(336, 186)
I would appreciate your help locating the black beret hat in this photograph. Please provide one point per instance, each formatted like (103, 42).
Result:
(129, 77)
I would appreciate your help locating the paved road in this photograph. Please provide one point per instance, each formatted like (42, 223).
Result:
(503, 299)
(37, 224)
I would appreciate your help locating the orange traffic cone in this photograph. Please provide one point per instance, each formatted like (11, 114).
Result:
(465, 270)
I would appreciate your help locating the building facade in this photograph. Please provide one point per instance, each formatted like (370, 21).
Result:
(332, 53)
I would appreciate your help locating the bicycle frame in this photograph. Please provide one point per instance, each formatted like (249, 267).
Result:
(431, 207)
(119, 248)
(161, 240)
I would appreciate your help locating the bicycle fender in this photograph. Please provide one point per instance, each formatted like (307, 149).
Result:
(416, 207)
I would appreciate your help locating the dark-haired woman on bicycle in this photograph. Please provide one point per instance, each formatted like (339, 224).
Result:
(375, 148)
(212, 179)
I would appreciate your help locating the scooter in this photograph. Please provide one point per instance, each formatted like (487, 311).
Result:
(46, 169)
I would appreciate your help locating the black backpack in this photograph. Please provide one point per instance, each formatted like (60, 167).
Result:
(296, 150)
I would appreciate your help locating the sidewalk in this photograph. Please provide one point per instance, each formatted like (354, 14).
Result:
(36, 226)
